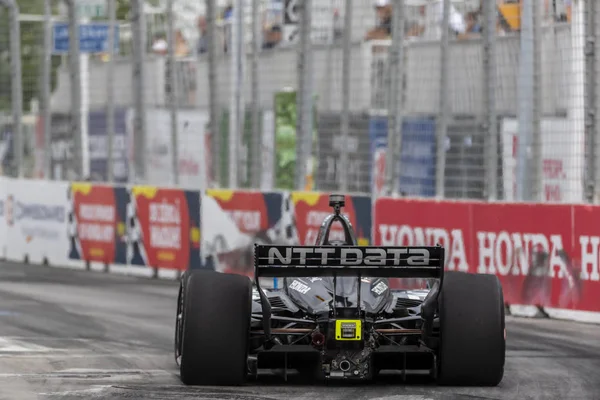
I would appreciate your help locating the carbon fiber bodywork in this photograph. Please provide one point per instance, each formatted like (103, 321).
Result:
(343, 327)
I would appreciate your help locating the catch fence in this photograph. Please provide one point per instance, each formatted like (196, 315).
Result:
(480, 100)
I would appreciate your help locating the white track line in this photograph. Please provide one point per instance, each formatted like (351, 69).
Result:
(17, 346)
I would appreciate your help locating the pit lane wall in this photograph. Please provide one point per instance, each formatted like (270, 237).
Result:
(546, 256)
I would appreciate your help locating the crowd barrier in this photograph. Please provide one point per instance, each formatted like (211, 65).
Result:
(545, 255)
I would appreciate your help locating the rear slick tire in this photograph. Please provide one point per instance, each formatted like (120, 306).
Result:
(472, 330)
(215, 332)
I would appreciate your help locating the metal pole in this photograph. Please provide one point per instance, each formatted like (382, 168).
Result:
(45, 88)
(17, 84)
(345, 117)
(537, 184)
(110, 93)
(590, 88)
(138, 24)
(213, 87)
(594, 9)
(174, 92)
(84, 66)
(525, 103)
(234, 114)
(395, 114)
(489, 98)
(255, 152)
(74, 69)
(304, 97)
(442, 131)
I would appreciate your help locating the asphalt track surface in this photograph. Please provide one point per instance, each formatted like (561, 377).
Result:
(67, 334)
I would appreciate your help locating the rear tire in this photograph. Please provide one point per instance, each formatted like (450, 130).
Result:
(216, 322)
(472, 330)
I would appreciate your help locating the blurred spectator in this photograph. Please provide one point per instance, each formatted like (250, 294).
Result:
(473, 23)
(227, 17)
(383, 30)
(272, 26)
(159, 45)
(429, 25)
(433, 19)
(338, 25)
(272, 36)
(202, 45)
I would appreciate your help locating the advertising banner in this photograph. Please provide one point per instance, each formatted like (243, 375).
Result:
(98, 137)
(232, 221)
(550, 262)
(62, 148)
(164, 228)
(311, 208)
(417, 157)
(63, 151)
(36, 217)
(562, 160)
(98, 222)
(194, 148)
(331, 144)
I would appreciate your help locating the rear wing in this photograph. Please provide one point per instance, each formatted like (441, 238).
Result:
(372, 261)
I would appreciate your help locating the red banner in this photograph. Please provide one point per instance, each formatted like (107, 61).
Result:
(310, 209)
(96, 221)
(247, 209)
(234, 221)
(537, 251)
(164, 221)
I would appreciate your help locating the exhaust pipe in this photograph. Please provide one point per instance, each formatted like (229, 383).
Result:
(318, 339)
(345, 366)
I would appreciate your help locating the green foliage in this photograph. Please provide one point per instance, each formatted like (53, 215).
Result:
(285, 140)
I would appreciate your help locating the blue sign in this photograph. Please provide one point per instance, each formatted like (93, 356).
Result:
(93, 38)
(98, 137)
(417, 158)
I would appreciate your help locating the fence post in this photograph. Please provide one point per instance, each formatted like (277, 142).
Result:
(442, 126)
(76, 101)
(489, 98)
(213, 88)
(304, 97)
(537, 184)
(173, 92)
(255, 147)
(592, 9)
(16, 81)
(235, 47)
(138, 25)
(395, 112)
(110, 90)
(345, 117)
(525, 103)
(45, 88)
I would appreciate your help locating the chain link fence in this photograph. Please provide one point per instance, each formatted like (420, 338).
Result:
(475, 99)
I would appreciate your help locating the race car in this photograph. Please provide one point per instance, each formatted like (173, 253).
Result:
(336, 317)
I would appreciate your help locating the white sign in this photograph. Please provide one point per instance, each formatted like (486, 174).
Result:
(322, 22)
(562, 161)
(91, 8)
(36, 226)
(193, 148)
(291, 12)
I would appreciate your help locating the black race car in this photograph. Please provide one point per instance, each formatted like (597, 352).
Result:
(337, 318)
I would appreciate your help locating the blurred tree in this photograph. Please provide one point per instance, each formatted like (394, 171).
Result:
(32, 41)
